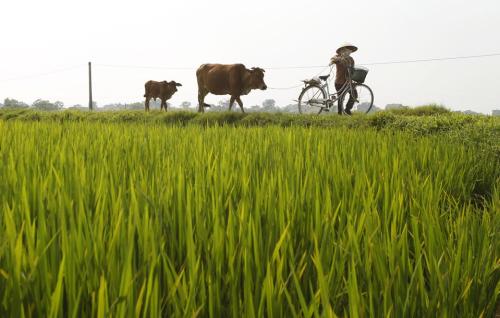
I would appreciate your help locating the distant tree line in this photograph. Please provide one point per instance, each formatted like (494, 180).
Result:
(40, 104)
(268, 105)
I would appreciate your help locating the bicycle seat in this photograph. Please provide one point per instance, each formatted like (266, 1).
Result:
(324, 77)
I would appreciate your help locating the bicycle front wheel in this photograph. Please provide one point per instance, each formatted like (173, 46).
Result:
(312, 100)
(363, 102)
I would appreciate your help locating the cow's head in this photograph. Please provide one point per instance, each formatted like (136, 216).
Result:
(173, 86)
(169, 88)
(257, 78)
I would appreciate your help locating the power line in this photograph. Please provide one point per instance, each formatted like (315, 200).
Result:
(277, 68)
(406, 62)
(174, 68)
(41, 74)
(398, 62)
(300, 85)
(433, 59)
(323, 67)
(312, 66)
(286, 88)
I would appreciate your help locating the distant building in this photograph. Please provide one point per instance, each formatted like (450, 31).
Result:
(495, 112)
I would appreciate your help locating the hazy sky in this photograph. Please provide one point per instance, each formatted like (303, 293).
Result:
(44, 36)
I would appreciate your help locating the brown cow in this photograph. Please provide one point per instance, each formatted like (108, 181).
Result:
(232, 79)
(163, 90)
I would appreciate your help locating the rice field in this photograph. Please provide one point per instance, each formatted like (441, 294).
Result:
(151, 220)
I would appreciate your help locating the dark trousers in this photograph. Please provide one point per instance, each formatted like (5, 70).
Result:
(350, 102)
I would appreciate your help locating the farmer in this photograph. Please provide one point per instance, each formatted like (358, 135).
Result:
(343, 61)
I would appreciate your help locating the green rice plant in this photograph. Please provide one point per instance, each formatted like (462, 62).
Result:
(425, 110)
(121, 215)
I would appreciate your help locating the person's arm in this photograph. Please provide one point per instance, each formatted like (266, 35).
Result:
(335, 60)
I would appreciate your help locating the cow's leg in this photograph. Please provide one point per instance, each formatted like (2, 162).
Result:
(238, 99)
(146, 104)
(163, 104)
(231, 102)
(201, 100)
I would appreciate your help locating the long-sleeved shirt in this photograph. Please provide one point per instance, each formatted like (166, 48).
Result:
(343, 63)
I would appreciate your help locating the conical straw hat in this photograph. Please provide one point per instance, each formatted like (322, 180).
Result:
(350, 46)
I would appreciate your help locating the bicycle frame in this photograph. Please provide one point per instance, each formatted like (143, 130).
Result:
(324, 99)
(346, 87)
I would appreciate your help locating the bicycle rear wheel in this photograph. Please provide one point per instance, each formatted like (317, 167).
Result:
(363, 102)
(312, 100)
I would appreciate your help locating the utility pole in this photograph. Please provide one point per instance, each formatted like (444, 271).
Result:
(90, 87)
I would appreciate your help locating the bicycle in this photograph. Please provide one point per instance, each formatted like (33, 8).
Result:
(316, 97)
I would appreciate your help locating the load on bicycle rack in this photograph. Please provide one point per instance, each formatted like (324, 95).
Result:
(316, 96)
